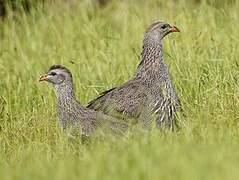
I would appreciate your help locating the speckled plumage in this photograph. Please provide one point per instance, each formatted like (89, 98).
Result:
(71, 113)
(149, 92)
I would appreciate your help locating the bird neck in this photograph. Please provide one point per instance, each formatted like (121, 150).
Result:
(151, 57)
(65, 92)
(69, 109)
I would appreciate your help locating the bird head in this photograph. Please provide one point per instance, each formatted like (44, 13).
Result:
(57, 75)
(159, 30)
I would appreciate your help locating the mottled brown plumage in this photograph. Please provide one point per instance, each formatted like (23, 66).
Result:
(150, 92)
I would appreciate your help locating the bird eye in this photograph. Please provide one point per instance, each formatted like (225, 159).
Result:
(53, 73)
(163, 26)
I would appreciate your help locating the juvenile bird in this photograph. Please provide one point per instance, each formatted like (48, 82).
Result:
(70, 111)
(150, 92)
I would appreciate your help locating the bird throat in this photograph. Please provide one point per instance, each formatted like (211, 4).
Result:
(65, 93)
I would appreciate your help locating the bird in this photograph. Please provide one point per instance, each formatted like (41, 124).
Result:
(71, 113)
(150, 94)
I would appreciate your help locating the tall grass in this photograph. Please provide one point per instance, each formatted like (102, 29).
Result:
(101, 47)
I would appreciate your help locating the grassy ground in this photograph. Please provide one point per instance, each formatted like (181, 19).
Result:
(104, 45)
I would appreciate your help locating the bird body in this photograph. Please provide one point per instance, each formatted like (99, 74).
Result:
(150, 91)
(70, 111)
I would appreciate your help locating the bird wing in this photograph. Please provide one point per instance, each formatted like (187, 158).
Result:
(121, 102)
(97, 103)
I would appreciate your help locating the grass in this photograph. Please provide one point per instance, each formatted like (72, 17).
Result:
(101, 47)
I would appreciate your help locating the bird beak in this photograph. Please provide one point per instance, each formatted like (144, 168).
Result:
(174, 29)
(43, 78)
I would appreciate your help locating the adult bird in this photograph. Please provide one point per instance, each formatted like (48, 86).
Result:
(150, 93)
(71, 113)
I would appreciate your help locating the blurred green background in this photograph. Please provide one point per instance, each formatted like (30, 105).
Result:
(101, 44)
